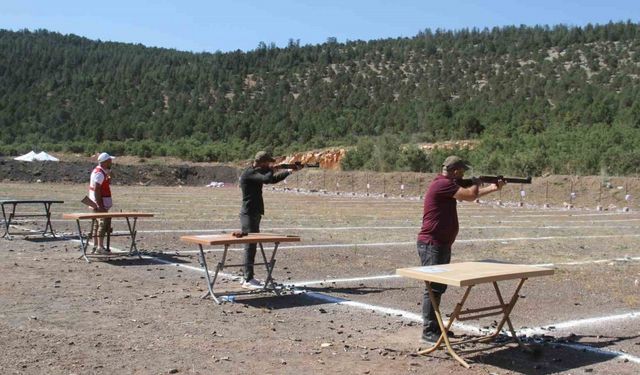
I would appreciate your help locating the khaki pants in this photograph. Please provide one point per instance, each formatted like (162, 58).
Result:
(102, 227)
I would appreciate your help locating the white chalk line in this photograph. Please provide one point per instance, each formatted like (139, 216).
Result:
(378, 228)
(386, 277)
(404, 243)
(416, 226)
(579, 322)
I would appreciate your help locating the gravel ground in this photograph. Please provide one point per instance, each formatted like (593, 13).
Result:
(61, 315)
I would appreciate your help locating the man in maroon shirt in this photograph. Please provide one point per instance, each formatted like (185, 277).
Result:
(440, 228)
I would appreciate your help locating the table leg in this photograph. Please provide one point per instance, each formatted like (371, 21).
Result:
(108, 230)
(7, 222)
(83, 244)
(445, 329)
(270, 265)
(48, 226)
(507, 311)
(211, 281)
(133, 233)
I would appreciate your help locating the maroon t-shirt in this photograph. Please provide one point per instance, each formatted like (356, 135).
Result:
(440, 217)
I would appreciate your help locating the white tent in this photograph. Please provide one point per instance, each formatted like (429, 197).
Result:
(43, 156)
(32, 156)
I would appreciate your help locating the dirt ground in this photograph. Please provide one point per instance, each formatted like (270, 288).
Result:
(349, 314)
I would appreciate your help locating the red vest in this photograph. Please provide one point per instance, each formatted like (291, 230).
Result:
(104, 187)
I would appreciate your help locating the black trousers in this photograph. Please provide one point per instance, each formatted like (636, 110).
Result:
(250, 224)
(430, 255)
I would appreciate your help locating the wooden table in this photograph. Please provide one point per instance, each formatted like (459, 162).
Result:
(470, 274)
(227, 240)
(93, 216)
(12, 214)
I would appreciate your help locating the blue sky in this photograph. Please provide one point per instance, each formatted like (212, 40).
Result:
(236, 24)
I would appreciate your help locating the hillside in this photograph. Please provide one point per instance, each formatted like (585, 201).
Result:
(540, 99)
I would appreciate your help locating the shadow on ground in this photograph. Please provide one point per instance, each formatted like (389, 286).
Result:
(126, 260)
(274, 302)
(359, 290)
(45, 239)
(549, 357)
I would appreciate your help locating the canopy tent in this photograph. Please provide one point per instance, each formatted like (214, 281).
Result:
(32, 156)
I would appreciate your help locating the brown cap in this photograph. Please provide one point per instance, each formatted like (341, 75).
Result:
(262, 156)
(455, 162)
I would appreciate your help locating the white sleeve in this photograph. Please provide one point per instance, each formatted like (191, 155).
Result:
(96, 178)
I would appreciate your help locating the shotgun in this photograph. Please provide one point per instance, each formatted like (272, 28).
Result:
(492, 180)
(296, 165)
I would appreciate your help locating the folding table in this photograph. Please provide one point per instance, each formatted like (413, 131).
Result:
(227, 240)
(470, 274)
(12, 214)
(93, 216)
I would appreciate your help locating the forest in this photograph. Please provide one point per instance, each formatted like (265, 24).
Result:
(539, 99)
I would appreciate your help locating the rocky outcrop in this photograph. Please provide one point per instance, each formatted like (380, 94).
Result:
(328, 159)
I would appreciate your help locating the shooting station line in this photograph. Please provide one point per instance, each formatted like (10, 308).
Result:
(404, 243)
(579, 322)
(378, 228)
(413, 228)
(416, 226)
(549, 215)
(393, 276)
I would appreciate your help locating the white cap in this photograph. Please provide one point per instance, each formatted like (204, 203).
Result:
(104, 157)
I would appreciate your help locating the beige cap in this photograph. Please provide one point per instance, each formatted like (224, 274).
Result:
(455, 162)
(262, 156)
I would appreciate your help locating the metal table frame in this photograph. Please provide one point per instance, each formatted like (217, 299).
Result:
(131, 226)
(502, 308)
(12, 214)
(228, 240)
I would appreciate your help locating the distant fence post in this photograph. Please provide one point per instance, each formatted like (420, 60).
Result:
(571, 193)
(324, 179)
(367, 179)
(384, 184)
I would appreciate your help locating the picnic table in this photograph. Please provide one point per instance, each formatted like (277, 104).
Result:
(130, 217)
(14, 203)
(227, 240)
(470, 274)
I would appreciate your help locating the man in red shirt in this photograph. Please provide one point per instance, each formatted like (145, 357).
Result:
(440, 228)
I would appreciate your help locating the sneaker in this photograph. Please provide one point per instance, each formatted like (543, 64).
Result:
(102, 251)
(252, 284)
(430, 337)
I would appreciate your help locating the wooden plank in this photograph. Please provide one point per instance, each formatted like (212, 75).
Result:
(228, 239)
(104, 215)
(472, 273)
